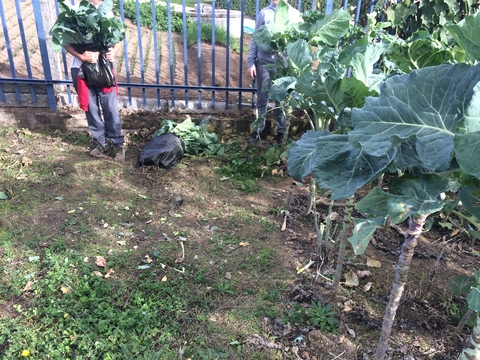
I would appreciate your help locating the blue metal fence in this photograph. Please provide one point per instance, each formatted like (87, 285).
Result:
(30, 62)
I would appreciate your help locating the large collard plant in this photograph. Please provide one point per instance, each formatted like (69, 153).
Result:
(86, 25)
(425, 124)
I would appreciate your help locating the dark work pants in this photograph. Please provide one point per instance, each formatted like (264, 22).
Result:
(110, 127)
(264, 82)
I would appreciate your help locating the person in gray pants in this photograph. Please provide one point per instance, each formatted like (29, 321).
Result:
(99, 101)
(263, 76)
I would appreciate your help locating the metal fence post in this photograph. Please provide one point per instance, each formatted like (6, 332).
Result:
(40, 6)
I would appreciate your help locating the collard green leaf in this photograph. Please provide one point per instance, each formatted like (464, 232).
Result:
(467, 140)
(403, 111)
(300, 55)
(470, 197)
(326, 91)
(343, 168)
(410, 195)
(354, 93)
(473, 299)
(286, 18)
(461, 284)
(263, 38)
(302, 154)
(426, 52)
(87, 24)
(331, 28)
(281, 87)
(362, 233)
(466, 35)
(362, 56)
(399, 13)
(375, 203)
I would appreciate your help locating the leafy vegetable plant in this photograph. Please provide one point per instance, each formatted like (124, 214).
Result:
(196, 138)
(424, 126)
(86, 25)
(323, 316)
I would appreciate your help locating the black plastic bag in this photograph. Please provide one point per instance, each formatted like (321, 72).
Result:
(164, 151)
(99, 74)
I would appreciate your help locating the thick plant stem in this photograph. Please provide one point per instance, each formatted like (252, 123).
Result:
(342, 244)
(287, 113)
(462, 322)
(411, 237)
(472, 349)
(318, 228)
(328, 225)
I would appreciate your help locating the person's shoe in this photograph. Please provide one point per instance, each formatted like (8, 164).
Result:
(254, 138)
(279, 137)
(119, 153)
(99, 150)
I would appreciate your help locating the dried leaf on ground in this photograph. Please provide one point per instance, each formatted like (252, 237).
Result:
(373, 263)
(363, 273)
(109, 273)
(261, 342)
(97, 273)
(351, 279)
(100, 261)
(28, 285)
(65, 289)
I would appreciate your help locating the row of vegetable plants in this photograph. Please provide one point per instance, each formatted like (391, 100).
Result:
(382, 105)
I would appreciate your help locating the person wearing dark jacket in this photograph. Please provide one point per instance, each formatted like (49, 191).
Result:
(96, 101)
(263, 76)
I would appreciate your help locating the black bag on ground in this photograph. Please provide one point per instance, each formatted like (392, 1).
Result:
(164, 151)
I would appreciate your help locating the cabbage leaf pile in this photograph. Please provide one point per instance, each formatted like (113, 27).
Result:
(97, 28)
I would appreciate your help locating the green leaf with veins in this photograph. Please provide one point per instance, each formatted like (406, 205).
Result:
(473, 299)
(362, 232)
(410, 195)
(466, 35)
(425, 106)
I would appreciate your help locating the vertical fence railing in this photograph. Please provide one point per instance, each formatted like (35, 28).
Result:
(170, 48)
(155, 46)
(42, 42)
(140, 52)
(134, 61)
(125, 56)
(25, 48)
(185, 50)
(199, 53)
(8, 46)
(213, 53)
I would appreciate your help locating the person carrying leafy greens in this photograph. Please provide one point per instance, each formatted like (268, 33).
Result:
(92, 34)
(258, 68)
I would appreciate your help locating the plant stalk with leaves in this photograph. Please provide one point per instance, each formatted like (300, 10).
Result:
(426, 125)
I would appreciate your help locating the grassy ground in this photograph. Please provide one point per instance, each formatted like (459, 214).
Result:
(99, 260)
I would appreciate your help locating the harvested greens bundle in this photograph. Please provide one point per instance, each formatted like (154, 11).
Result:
(87, 27)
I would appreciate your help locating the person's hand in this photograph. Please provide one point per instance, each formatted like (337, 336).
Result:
(90, 56)
(110, 54)
(252, 71)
